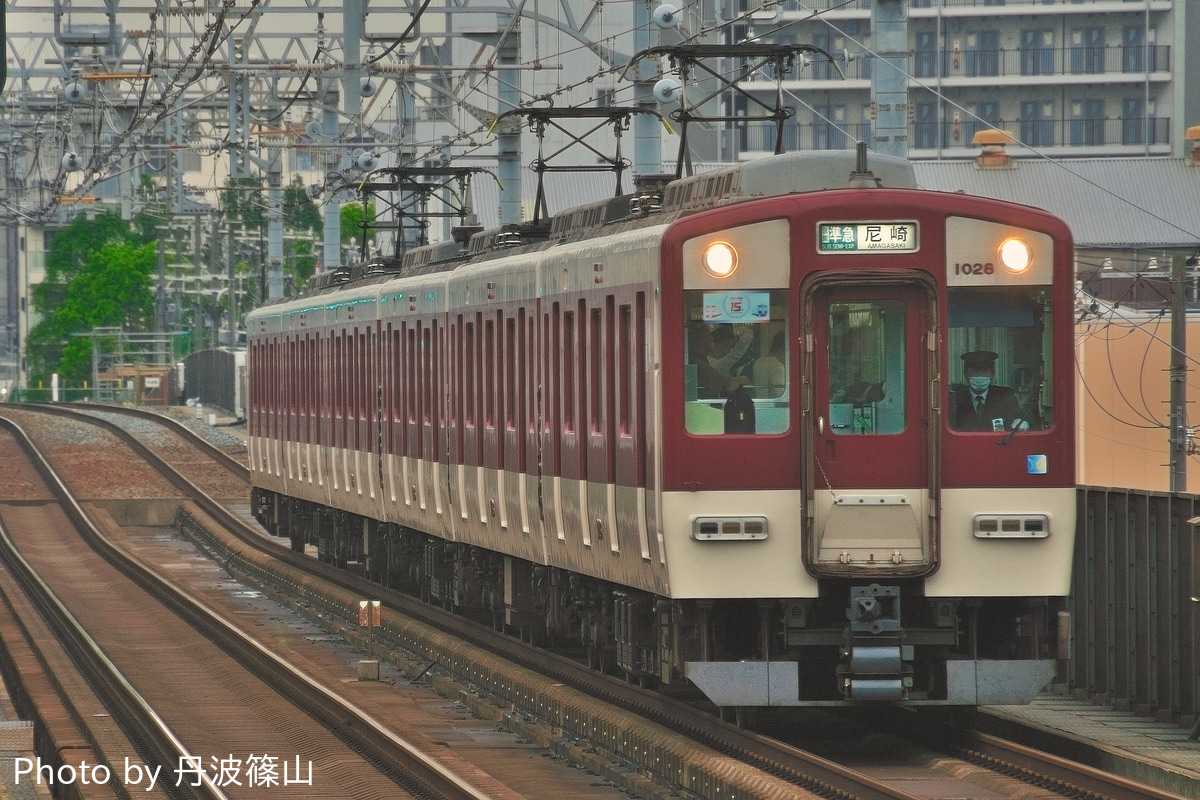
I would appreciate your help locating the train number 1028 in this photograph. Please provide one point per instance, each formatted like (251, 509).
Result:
(974, 269)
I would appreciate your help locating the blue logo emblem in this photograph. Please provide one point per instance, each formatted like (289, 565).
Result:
(1035, 465)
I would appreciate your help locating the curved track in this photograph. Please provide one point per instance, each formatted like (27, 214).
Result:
(235, 695)
(266, 559)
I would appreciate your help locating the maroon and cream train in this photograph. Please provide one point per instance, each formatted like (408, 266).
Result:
(716, 431)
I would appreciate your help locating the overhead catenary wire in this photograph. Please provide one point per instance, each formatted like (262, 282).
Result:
(1128, 323)
(208, 42)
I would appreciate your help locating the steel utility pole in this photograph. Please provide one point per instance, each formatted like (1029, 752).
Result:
(889, 80)
(1178, 371)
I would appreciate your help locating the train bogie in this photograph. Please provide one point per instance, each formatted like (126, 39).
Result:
(756, 439)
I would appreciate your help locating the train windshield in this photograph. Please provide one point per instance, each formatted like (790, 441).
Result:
(866, 358)
(737, 371)
(1000, 362)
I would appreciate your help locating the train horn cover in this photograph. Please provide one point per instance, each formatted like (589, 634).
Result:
(1015, 255)
(720, 259)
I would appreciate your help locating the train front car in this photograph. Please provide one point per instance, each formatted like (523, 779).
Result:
(868, 454)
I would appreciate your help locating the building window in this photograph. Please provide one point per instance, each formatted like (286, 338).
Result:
(984, 58)
(1037, 52)
(1133, 121)
(925, 58)
(925, 126)
(1087, 51)
(1037, 123)
(1087, 127)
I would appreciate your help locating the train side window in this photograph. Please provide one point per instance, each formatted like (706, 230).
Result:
(866, 367)
(737, 362)
(1000, 358)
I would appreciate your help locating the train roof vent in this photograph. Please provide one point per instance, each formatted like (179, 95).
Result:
(463, 233)
(480, 241)
(437, 253)
(510, 235)
(652, 182)
(615, 208)
(705, 190)
(321, 280)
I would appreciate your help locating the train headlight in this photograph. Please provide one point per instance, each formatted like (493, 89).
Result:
(1015, 255)
(720, 259)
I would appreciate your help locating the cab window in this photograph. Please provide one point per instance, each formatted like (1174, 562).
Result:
(736, 362)
(999, 352)
(866, 367)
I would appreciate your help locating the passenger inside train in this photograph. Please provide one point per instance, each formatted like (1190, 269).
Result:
(728, 335)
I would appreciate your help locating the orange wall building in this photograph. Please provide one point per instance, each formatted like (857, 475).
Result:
(1122, 361)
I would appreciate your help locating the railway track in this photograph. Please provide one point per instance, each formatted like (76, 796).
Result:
(419, 629)
(198, 697)
(50, 684)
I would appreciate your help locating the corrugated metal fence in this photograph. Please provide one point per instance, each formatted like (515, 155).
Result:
(211, 375)
(1134, 621)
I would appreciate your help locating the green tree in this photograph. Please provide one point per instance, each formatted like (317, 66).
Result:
(70, 247)
(357, 223)
(301, 261)
(243, 201)
(98, 275)
(300, 216)
(300, 213)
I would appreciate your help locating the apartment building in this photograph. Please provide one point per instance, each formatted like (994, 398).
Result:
(1073, 78)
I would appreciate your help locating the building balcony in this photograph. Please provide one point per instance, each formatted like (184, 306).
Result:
(1057, 137)
(1043, 65)
(951, 8)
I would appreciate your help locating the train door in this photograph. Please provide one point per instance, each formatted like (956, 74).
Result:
(871, 477)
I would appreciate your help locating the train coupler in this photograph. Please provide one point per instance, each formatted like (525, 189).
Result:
(878, 670)
(875, 664)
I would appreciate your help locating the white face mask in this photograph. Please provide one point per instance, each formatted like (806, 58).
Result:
(979, 383)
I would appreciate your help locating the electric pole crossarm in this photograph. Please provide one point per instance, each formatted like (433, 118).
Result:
(406, 192)
(688, 59)
(541, 119)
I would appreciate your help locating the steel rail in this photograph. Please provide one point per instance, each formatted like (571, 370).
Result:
(805, 769)
(210, 449)
(784, 761)
(137, 718)
(346, 720)
(994, 750)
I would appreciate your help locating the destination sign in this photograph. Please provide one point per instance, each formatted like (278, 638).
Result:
(858, 237)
